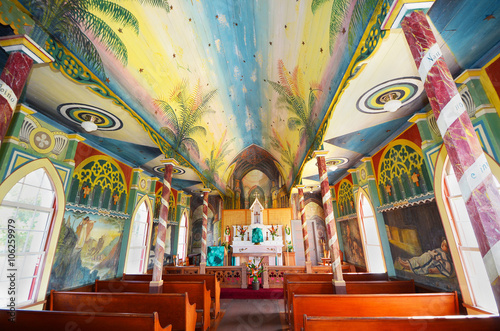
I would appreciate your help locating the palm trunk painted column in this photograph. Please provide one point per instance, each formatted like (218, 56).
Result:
(157, 283)
(331, 231)
(305, 237)
(464, 150)
(23, 53)
(203, 260)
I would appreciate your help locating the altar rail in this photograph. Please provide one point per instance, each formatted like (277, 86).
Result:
(236, 276)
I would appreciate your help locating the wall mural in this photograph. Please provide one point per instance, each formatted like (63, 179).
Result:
(353, 247)
(419, 246)
(88, 249)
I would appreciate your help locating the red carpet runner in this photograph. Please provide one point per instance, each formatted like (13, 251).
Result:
(239, 293)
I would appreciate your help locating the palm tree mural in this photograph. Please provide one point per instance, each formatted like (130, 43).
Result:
(286, 153)
(291, 95)
(73, 22)
(183, 120)
(337, 14)
(216, 160)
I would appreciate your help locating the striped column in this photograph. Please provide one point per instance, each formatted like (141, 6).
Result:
(307, 253)
(23, 52)
(331, 231)
(204, 227)
(464, 149)
(156, 285)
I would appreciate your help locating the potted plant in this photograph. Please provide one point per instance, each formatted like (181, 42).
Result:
(255, 272)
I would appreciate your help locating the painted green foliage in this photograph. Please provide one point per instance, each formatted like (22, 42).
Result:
(285, 151)
(216, 160)
(69, 19)
(338, 10)
(183, 120)
(291, 96)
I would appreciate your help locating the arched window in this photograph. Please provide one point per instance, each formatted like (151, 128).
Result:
(182, 243)
(31, 215)
(468, 249)
(137, 255)
(370, 234)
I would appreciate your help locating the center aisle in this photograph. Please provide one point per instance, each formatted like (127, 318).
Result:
(245, 314)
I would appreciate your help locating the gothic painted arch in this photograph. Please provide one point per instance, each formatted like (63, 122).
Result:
(57, 217)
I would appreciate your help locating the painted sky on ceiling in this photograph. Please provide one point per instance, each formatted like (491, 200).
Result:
(214, 77)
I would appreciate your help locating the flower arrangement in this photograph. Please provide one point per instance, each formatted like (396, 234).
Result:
(255, 270)
(242, 231)
(273, 231)
(289, 246)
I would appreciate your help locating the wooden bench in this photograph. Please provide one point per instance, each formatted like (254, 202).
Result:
(172, 308)
(197, 292)
(416, 323)
(372, 305)
(361, 276)
(44, 320)
(356, 287)
(213, 285)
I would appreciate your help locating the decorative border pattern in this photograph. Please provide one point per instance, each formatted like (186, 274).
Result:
(95, 211)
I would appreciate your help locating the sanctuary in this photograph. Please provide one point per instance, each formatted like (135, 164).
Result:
(255, 241)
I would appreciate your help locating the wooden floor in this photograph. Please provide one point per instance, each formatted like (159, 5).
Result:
(246, 314)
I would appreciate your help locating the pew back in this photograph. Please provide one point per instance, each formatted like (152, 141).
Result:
(43, 320)
(372, 305)
(172, 308)
(213, 285)
(415, 323)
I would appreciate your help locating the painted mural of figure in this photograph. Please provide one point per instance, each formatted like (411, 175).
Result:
(83, 231)
(436, 261)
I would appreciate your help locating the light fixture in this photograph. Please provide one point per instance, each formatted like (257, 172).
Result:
(391, 102)
(333, 167)
(89, 125)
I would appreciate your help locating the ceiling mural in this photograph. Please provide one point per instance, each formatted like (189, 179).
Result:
(230, 87)
(213, 77)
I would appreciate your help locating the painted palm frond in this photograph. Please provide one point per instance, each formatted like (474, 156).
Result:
(74, 23)
(290, 91)
(361, 13)
(337, 14)
(217, 155)
(183, 111)
(287, 157)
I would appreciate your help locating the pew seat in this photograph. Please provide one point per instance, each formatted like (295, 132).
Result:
(45, 320)
(172, 308)
(372, 305)
(197, 292)
(413, 323)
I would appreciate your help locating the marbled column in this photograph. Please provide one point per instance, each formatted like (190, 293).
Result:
(307, 253)
(204, 227)
(461, 142)
(13, 80)
(331, 231)
(155, 285)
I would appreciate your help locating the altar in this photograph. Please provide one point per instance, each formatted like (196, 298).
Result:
(255, 241)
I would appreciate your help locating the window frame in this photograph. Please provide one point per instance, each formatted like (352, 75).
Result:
(59, 202)
(185, 243)
(361, 224)
(145, 259)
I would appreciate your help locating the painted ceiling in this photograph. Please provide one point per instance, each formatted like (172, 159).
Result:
(205, 81)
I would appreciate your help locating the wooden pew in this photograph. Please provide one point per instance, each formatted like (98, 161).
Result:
(372, 305)
(213, 285)
(356, 287)
(197, 292)
(43, 320)
(173, 308)
(361, 276)
(416, 323)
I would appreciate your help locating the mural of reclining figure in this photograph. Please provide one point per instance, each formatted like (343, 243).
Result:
(436, 261)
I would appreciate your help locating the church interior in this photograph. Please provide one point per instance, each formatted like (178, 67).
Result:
(250, 141)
